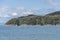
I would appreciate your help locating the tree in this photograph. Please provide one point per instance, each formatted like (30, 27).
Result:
(17, 22)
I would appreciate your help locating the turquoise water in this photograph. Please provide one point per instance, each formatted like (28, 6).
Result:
(29, 32)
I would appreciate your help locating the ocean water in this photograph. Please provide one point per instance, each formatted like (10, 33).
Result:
(29, 32)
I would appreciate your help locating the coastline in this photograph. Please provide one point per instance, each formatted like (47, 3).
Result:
(35, 25)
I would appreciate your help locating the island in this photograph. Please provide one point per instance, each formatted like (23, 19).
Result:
(48, 19)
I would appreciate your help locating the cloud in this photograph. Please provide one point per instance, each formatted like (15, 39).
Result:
(4, 8)
(20, 8)
(53, 2)
(7, 13)
(14, 14)
(4, 16)
(28, 12)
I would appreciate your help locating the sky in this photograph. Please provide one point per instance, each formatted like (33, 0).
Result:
(16, 8)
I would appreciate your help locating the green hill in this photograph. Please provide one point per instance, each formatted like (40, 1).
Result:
(36, 20)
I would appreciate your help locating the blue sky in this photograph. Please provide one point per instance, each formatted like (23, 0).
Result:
(29, 4)
(16, 8)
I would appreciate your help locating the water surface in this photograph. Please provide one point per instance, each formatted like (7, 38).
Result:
(29, 32)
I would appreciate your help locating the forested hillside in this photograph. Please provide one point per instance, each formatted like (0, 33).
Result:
(52, 19)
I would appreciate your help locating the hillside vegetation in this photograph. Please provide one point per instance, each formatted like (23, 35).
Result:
(49, 19)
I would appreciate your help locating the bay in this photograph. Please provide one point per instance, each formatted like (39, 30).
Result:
(29, 32)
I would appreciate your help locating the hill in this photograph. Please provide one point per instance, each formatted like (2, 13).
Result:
(36, 20)
(54, 13)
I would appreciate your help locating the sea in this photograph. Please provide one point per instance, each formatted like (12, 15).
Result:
(29, 32)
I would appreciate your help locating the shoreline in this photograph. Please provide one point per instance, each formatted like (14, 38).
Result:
(34, 25)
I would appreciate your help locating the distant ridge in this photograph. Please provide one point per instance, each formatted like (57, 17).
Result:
(54, 13)
(36, 20)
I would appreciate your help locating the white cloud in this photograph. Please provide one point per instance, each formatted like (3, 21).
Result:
(4, 9)
(8, 12)
(28, 12)
(20, 8)
(14, 14)
(0, 16)
(4, 16)
(53, 2)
